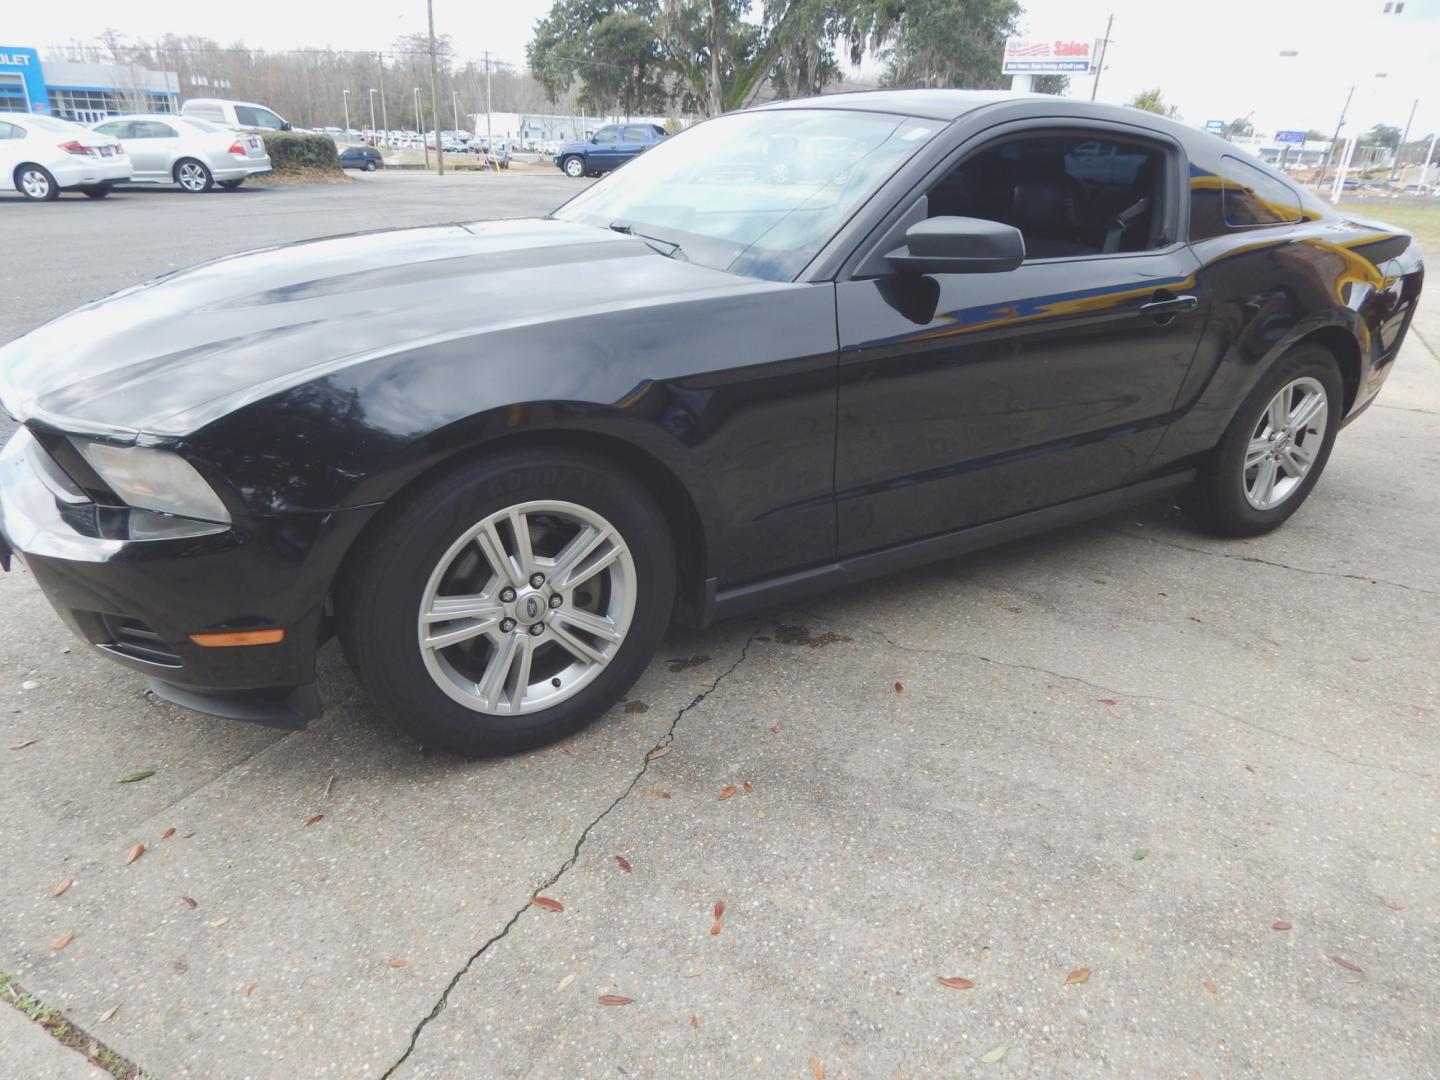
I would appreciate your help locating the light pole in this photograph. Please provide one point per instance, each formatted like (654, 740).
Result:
(384, 119)
(434, 97)
(373, 133)
(420, 126)
(455, 102)
(346, 98)
(1395, 170)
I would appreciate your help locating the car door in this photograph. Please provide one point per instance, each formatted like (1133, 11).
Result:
(605, 148)
(966, 398)
(635, 139)
(11, 139)
(154, 147)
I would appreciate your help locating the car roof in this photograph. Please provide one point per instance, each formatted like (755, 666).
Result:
(224, 101)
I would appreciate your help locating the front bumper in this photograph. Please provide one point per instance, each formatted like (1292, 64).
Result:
(138, 601)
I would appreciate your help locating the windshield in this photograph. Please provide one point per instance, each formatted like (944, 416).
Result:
(756, 193)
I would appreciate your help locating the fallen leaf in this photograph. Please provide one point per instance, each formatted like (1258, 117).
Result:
(566, 981)
(62, 886)
(189, 901)
(1209, 986)
(23, 743)
(1079, 975)
(956, 983)
(729, 790)
(1394, 905)
(719, 909)
(614, 999)
(63, 940)
(186, 836)
(249, 988)
(1110, 701)
(658, 752)
(313, 820)
(899, 689)
(694, 1021)
(546, 903)
(569, 748)
(29, 684)
(1361, 659)
(1140, 853)
(747, 787)
(397, 963)
(817, 1069)
(1347, 965)
(715, 929)
(216, 924)
(620, 862)
(1282, 925)
(992, 1056)
(108, 1013)
(168, 833)
(775, 728)
(135, 777)
(1250, 768)
(135, 853)
(695, 974)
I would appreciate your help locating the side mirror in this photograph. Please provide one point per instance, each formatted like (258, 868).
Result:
(958, 245)
(285, 125)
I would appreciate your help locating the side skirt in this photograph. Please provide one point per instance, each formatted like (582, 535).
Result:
(757, 595)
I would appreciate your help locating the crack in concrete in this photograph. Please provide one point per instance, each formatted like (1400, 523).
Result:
(1403, 408)
(1117, 692)
(569, 863)
(1271, 562)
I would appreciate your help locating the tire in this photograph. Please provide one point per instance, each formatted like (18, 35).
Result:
(370, 165)
(36, 183)
(574, 167)
(231, 185)
(96, 191)
(193, 176)
(1229, 496)
(427, 549)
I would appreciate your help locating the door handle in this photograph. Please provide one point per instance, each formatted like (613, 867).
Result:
(1166, 307)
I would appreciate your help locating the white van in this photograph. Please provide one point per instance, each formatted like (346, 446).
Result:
(240, 115)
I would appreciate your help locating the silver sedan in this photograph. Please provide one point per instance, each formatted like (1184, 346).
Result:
(195, 154)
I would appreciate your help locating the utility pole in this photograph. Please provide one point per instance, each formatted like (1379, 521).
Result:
(1395, 168)
(489, 132)
(434, 100)
(455, 101)
(1429, 156)
(1100, 67)
(420, 126)
(373, 132)
(384, 119)
(345, 97)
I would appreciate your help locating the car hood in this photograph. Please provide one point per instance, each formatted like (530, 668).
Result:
(177, 352)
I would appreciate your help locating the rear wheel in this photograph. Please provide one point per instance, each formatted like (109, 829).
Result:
(370, 165)
(35, 182)
(194, 176)
(574, 167)
(510, 603)
(1275, 448)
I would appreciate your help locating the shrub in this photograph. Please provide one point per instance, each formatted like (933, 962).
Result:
(290, 150)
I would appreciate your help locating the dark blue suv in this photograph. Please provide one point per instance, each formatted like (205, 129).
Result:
(608, 148)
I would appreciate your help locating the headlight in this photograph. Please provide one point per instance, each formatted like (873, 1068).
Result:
(155, 480)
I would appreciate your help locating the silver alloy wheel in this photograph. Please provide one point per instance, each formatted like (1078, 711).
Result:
(191, 175)
(574, 167)
(1285, 443)
(527, 608)
(35, 183)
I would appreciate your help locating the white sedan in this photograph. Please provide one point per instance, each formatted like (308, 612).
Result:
(41, 156)
(195, 154)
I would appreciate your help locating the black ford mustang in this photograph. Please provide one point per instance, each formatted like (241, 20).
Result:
(499, 458)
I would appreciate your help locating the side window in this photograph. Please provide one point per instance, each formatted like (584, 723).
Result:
(635, 134)
(1070, 195)
(10, 131)
(607, 134)
(209, 112)
(151, 129)
(250, 116)
(115, 130)
(1251, 196)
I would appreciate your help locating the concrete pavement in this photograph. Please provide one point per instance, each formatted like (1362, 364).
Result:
(1123, 747)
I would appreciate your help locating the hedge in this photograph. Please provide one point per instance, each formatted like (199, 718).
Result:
(294, 150)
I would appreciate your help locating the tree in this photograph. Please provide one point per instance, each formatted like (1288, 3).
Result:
(1241, 128)
(1149, 100)
(1316, 135)
(1050, 84)
(607, 46)
(945, 42)
(1381, 135)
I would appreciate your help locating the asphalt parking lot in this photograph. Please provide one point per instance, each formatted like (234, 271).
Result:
(1205, 772)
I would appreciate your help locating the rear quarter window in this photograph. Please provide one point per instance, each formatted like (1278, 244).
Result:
(1239, 196)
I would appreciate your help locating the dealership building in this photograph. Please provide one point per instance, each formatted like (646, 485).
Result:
(82, 92)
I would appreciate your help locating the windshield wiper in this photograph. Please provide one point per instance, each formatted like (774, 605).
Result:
(668, 248)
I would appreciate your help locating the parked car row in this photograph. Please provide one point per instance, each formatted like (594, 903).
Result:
(42, 156)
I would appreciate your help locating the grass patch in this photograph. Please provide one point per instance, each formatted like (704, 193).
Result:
(1422, 222)
(65, 1032)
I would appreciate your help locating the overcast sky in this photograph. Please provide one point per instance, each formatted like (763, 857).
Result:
(1217, 60)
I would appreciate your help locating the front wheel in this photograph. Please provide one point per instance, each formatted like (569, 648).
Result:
(1275, 448)
(193, 176)
(510, 603)
(574, 167)
(370, 166)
